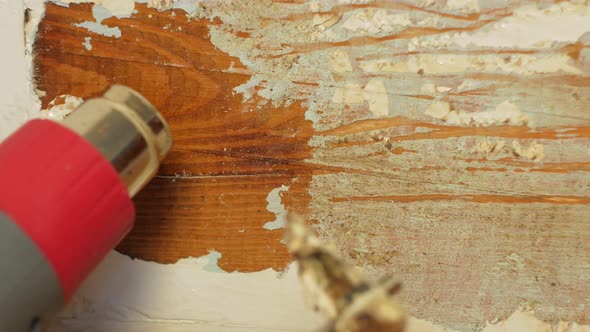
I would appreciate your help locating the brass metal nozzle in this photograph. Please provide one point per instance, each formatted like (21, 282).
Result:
(128, 130)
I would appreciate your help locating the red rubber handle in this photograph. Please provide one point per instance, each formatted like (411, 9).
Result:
(65, 196)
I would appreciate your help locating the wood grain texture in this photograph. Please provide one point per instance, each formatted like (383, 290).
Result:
(211, 191)
(441, 144)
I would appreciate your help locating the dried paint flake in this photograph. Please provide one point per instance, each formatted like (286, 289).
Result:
(463, 5)
(325, 21)
(519, 321)
(500, 148)
(438, 110)
(428, 89)
(340, 62)
(100, 14)
(276, 206)
(376, 95)
(119, 8)
(351, 93)
(87, 44)
(212, 262)
(160, 5)
(60, 107)
(505, 113)
(533, 26)
(374, 22)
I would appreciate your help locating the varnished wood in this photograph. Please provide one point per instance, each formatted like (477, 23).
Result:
(211, 191)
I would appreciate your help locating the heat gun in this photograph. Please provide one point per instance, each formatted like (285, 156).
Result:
(65, 198)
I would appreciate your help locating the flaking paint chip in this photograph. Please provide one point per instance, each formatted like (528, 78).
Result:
(376, 95)
(340, 62)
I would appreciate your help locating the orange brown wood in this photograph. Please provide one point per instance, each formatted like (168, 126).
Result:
(211, 191)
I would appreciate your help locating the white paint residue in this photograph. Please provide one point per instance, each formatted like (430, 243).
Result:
(519, 321)
(458, 63)
(376, 95)
(134, 295)
(276, 206)
(59, 111)
(249, 88)
(160, 5)
(119, 8)
(443, 89)
(438, 110)
(374, 22)
(18, 101)
(212, 266)
(428, 89)
(100, 14)
(497, 148)
(535, 151)
(87, 45)
(463, 5)
(531, 26)
(36, 13)
(351, 93)
(505, 113)
(324, 21)
(420, 325)
(340, 62)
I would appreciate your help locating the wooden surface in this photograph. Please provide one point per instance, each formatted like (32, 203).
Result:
(211, 191)
(471, 215)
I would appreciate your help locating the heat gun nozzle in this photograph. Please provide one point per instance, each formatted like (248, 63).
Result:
(128, 130)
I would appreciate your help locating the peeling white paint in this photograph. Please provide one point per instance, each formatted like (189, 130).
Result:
(100, 14)
(119, 8)
(428, 89)
(350, 93)
(457, 63)
(463, 5)
(18, 100)
(531, 26)
(505, 113)
(376, 95)
(125, 294)
(276, 206)
(87, 44)
(438, 110)
(191, 7)
(59, 111)
(374, 22)
(499, 147)
(212, 258)
(340, 62)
